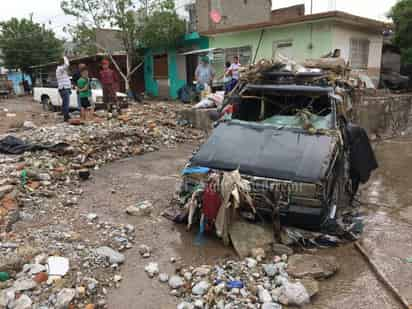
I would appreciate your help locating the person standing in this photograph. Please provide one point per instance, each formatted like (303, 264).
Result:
(64, 86)
(204, 74)
(75, 78)
(227, 78)
(234, 68)
(109, 81)
(83, 86)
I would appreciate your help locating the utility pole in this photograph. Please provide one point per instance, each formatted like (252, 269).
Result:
(311, 6)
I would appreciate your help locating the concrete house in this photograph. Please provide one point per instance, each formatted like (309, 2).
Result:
(251, 30)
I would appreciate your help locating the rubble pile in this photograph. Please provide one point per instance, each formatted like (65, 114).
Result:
(45, 259)
(254, 282)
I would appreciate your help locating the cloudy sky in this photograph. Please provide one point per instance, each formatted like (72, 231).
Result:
(49, 12)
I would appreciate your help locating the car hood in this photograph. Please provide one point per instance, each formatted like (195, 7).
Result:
(266, 151)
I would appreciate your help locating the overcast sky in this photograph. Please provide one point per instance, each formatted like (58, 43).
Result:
(49, 12)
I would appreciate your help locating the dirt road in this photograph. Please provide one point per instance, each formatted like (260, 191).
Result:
(155, 176)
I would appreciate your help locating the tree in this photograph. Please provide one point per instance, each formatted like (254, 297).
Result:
(148, 24)
(25, 43)
(401, 14)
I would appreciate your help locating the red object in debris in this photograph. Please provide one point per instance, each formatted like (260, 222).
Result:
(215, 16)
(211, 203)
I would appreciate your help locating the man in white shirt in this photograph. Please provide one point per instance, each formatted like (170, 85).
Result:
(234, 68)
(64, 84)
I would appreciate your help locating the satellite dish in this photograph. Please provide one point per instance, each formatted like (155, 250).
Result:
(215, 16)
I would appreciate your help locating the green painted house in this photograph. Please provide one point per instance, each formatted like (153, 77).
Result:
(166, 70)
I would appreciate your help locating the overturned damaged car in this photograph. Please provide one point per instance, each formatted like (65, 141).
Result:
(289, 154)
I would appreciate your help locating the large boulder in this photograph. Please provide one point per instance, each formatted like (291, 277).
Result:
(317, 267)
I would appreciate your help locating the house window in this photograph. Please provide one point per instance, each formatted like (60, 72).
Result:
(284, 48)
(359, 53)
(244, 53)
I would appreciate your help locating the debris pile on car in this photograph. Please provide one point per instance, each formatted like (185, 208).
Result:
(45, 259)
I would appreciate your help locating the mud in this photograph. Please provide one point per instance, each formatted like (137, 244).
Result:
(386, 203)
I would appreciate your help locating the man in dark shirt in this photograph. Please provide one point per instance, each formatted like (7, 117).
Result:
(75, 78)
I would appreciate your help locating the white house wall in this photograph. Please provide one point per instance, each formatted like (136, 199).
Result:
(341, 37)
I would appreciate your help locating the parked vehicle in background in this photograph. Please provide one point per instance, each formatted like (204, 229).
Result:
(48, 94)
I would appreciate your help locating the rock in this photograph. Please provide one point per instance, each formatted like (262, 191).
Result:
(29, 125)
(264, 295)
(247, 236)
(64, 298)
(188, 276)
(36, 268)
(5, 189)
(140, 209)
(24, 284)
(185, 305)
(152, 269)
(202, 271)
(41, 277)
(200, 288)
(258, 253)
(92, 216)
(270, 270)
(271, 306)
(163, 278)
(294, 294)
(311, 286)
(117, 278)
(251, 263)
(58, 266)
(23, 302)
(145, 251)
(113, 256)
(175, 282)
(6, 297)
(199, 304)
(41, 259)
(317, 267)
(279, 249)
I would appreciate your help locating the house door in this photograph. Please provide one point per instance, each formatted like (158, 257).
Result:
(161, 74)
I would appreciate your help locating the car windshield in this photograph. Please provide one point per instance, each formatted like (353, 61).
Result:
(288, 111)
(95, 84)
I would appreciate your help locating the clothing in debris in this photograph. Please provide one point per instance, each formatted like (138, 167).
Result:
(13, 145)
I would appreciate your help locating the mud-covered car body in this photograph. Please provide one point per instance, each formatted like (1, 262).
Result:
(293, 142)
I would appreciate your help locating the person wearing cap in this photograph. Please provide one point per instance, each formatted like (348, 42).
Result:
(64, 85)
(110, 82)
(204, 74)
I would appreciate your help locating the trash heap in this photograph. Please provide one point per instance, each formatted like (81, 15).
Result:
(45, 259)
(254, 282)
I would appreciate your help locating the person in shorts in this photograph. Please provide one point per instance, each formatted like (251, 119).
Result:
(85, 92)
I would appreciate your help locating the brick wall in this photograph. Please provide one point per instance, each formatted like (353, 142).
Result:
(383, 114)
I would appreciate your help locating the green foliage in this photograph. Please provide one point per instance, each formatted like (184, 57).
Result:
(401, 14)
(25, 43)
(162, 27)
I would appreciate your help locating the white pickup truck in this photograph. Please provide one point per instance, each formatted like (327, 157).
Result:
(50, 98)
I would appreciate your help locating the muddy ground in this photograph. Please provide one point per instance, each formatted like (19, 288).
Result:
(387, 206)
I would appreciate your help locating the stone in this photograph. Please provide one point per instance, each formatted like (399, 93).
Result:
(92, 216)
(113, 256)
(185, 305)
(294, 294)
(163, 278)
(247, 236)
(6, 297)
(200, 288)
(64, 298)
(271, 306)
(5, 189)
(23, 302)
(264, 295)
(140, 209)
(24, 285)
(317, 267)
(251, 263)
(41, 277)
(311, 286)
(175, 282)
(198, 304)
(152, 269)
(270, 270)
(36, 268)
(202, 271)
(279, 249)
(188, 276)
(145, 251)
(117, 278)
(258, 253)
